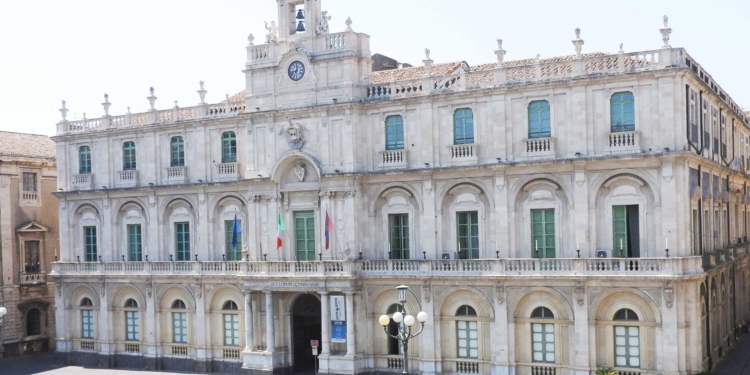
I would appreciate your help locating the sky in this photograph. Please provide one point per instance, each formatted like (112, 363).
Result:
(78, 50)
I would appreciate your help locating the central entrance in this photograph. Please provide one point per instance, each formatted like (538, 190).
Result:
(306, 326)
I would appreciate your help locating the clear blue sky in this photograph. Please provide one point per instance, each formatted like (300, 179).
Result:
(78, 50)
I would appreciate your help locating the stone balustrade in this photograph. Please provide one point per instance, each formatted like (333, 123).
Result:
(227, 171)
(176, 175)
(624, 141)
(566, 267)
(393, 158)
(83, 181)
(464, 152)
(540, 147)
(126, 178)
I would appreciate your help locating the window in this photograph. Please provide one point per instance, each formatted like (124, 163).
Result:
(29, 182)
(231, 325)
(31, 254)
(304, 235)
(135, 243)
(694, 116)
(33, 322)
(132, 326)
(543, 233)
(627, 340)
(393, 345)
(625, 231)
(87, 319)
(398, 230)
(128, 156)
(84, 160)
(543, 336)
(539, 119)
(179, 322)
(89, 240)
(622, 112)
(228, 148)
(233, 253)
(177, 152)
(394, 133)
(182, 241)
(468, 234)
(463, 126)
(467, 333)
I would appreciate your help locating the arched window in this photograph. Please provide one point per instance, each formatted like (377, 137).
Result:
(87, 319)
(132, 324)
(394, 133)
(177, 152)
(33, 322)
(84, 160)
(543, 336)
(539, 119)
(622, 112)
(128, 156)
(393, 346)
(627, 340)
(179, 323)
(463, 126)
(231, 325)
(86, 302)
(467, 333)
(228, 147)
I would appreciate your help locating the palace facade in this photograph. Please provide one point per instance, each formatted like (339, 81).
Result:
(550, 215)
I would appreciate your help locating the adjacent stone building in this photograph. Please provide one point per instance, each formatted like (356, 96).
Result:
(550, 215)
(28, 242)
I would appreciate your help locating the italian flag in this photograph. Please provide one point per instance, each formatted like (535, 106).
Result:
(282, 228)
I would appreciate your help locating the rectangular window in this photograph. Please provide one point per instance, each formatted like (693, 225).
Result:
(394, 133)
(463, 126)
(132, 328)
(236, 252)
(539, 119)
(622, 112)
(179, 320)
(543, 342)
(29, 182)
(177, 153)
(627, 347)
(128, 156)
(304, 235)
(182, 241)
(543, 233)
(468, 339)
(228, 148)
(231, 330)
(398, 232)
(89, 240)
(468, 234)
(625, 231)
(87, 324)
(31, 254)
(135, 243)
(84, 160)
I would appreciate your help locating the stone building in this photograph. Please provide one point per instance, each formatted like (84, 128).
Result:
(550, 215)
(28, 242)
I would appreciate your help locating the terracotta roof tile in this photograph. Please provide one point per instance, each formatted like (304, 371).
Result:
(27, 145)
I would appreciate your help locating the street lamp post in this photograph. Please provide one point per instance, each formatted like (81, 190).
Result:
(404, 324)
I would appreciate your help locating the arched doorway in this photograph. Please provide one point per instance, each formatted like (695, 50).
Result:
(305, 327)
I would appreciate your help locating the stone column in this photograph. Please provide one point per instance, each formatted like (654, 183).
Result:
(350, 348)
(325, 323)
(248, 323)
(270, 340)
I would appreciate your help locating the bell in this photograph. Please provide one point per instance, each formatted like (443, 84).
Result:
(300, 14)
(301, 27)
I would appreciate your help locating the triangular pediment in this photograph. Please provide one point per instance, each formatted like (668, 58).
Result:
(32, 227)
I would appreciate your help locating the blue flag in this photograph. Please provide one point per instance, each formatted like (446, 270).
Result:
(235, 232)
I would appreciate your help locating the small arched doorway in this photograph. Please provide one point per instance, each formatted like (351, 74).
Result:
(306, 326)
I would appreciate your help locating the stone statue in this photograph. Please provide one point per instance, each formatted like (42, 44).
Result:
(348, 24)
(665, 19)
(273, 32)
(323, 22)
(427, 53)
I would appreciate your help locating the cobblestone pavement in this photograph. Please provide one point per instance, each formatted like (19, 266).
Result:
(737, 361)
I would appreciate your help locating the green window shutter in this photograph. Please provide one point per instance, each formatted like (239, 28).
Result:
(228, 148)
(182, 241)
(399, 236)
(467, 339)
(620, 231)
(179, 321)
(135, 244)
(543, 233)
(231, 330)
(235, 254)
(304, 235)
(394, 133)
(622, 112)
(539, 119)
(543, 342)
(463, 126)
(177, 154)
(131, 326)
(84, 160)
(468, 234)
(627, 346)
(128, 156)
(87, 324)
(89, 234)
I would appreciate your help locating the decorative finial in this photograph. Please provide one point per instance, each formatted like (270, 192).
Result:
(665, 32)
(578, 42)
(348, 24)
(499, 44)
(578, 33)
(538, 59)
(427, 53)
(227, 95)
(201, 83)
(202, 93)
(106, 97)
(152, 98)
(151, 89)
(175, 104)
(106, 105)
(665, 19)
(250, 39)
(621, 51)
(500, 53)
(64, 111)
(128, 110)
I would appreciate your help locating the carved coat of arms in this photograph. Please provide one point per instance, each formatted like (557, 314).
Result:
(293, 134)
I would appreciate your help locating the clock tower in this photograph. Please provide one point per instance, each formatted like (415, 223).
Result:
(309, 57)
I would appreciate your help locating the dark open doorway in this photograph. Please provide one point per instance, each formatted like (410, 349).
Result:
(305, 327)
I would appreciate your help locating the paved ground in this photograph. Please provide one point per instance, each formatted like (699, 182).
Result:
(737, 361)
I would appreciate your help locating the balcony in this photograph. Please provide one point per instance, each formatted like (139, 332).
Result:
(393, 159)
(623, 142)
(29, 197)
(175, 175)
(227, 172)
(539, 147)
(464, 154)
(126, 179)
(83, 181)
(33, 278)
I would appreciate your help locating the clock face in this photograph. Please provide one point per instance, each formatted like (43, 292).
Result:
(296, 71)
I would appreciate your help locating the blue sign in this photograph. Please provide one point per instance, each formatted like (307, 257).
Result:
(338, 331)
(338, 319)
